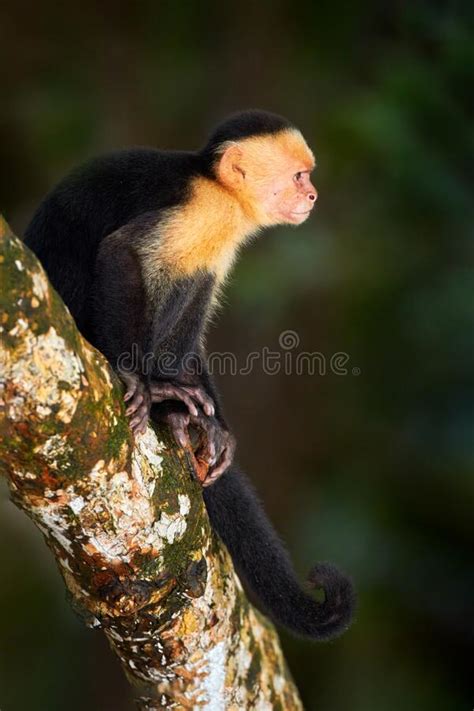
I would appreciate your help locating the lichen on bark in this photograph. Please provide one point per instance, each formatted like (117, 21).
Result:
(124, 519)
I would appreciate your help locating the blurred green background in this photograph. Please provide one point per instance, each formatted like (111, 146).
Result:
(373, 469)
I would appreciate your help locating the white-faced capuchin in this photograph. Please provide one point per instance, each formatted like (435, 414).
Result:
(138, 244)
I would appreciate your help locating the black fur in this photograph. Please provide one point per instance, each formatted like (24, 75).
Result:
(95, 200)
(87, 234)
(243, 125)
(264, 564)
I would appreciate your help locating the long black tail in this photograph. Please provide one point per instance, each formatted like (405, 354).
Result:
(262, 561)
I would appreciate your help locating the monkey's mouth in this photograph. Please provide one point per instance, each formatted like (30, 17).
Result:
(295, 217)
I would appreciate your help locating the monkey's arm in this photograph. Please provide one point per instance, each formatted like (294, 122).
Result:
(147, 333)
(128, 327)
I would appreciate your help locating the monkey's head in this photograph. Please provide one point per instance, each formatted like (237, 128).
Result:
(266, 164)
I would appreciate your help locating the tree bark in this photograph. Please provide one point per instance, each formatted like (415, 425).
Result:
(124, 519)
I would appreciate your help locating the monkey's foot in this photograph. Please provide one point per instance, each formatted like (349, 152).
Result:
(138, 394)
(215, 449)
(191, 395)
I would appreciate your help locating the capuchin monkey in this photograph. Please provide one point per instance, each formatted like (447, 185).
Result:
(138, 244)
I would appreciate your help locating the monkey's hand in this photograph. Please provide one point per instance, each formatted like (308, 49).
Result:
(138, 395)
(214, 449)
(190, 395)
(141, 395)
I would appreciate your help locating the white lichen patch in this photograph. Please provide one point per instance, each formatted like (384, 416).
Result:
(214, 679)
(99, 370)
(65, 564)
(184, 504)
(19, 265)
(56, 451)
(243, 660)
(263, 704)
(170, 527)
(105, 372)
(20, 327)
(35, 369)
(147, 462)
(77, 504)
(53, 525)
(278, 683)
(117, 513)
(149, 446)
(39, 284)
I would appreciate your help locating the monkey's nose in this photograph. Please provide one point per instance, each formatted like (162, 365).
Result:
(313, 196)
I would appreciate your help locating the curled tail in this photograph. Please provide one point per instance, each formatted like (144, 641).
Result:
(264, 564)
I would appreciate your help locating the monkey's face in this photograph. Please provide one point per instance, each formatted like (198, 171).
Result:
(271, 177)
(287, 198)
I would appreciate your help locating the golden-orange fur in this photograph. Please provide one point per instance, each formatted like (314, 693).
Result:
(206, 232)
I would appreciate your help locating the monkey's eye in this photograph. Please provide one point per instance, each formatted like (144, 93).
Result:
(297, 177)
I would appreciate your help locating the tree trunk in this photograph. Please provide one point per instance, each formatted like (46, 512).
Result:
(125, 520)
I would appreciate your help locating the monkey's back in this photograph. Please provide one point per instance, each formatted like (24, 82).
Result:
(93, 201)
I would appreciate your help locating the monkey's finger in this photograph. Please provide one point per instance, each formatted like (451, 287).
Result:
(140, 415)
(179, 428)
(160, 393)
(225, 460)
(135, 403)
(141, 428)
(131, 382)
(224, 463)
(202, 398)
(209, 453)
(184, 397)
(209, 438)
(132, 388)
(181, 437)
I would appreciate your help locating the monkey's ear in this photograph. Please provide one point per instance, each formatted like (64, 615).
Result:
(229, 167)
